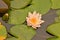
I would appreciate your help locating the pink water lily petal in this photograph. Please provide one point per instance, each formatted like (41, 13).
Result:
(34, 19)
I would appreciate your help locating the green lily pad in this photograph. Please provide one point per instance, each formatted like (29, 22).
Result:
(53, 38)
(3, 32)
(17, 16)
(54, 29)
(12, 38)
(22, 32)
(17, 4)
(55, 4)
(42, 6)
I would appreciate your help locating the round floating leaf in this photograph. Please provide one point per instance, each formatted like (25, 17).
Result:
(20, 3)
(23, 32)
(17, 16)
(54, 29)
(42, 6)
(53, 38)
(55, 4)
(12, 38)
(3, 32)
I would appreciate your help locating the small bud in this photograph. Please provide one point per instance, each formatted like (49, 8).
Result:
(5, 17)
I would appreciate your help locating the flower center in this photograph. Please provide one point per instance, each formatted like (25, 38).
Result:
(33, 20)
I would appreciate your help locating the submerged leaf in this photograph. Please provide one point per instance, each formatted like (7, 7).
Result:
(57, 19)
(58, 13)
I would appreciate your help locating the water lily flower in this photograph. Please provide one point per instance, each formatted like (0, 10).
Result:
(34, 19)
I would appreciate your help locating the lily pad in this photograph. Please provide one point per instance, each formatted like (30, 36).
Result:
(55, 4)
(17, 16)
(53, 38)
(3, 32)
(12, 38)
(17, 4)
(42, 6)
(22, 32)
(54, 29)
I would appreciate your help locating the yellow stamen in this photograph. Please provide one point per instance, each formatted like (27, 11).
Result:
(33, 20)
